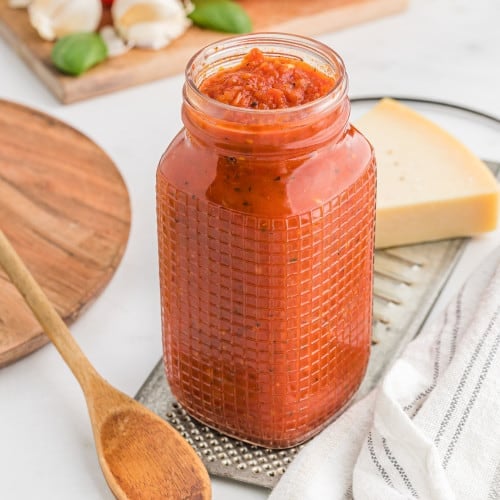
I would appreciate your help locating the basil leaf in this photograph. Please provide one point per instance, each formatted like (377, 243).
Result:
(73, 54)
(221, 15)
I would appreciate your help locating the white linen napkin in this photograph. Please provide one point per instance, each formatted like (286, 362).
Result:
(431, 428)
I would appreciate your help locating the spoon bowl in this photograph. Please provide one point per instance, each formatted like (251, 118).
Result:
(141, 455)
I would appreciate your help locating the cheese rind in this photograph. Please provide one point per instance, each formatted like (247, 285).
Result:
(430, 186)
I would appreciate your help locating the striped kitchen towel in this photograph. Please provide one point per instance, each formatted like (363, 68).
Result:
(431, 428)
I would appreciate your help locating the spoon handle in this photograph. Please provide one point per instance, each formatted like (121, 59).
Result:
(51, 322)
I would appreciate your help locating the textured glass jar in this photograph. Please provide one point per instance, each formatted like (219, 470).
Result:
(265, 233)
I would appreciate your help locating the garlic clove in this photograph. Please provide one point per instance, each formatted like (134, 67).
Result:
(115, 44)
(150, 23)
(154, 35)
(56, 18)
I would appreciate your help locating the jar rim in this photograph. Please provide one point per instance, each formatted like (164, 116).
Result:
(215, 49)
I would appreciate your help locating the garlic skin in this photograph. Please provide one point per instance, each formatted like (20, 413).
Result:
(149, 23)
(56, 18)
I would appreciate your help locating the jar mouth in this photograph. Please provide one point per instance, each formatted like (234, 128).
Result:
(230, 51)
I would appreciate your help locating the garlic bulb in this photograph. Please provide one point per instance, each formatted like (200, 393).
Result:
(149, 23)
(56, 18)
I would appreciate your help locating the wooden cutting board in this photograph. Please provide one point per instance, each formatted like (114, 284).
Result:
(306, 17)
(65, 208)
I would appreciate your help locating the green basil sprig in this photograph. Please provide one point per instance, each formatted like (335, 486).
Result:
(221, 15)
(73, 54)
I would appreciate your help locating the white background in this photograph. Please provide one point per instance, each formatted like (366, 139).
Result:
(443, 49)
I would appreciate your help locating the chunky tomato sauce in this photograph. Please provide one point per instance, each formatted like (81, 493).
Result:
(266, 257)
(264, 82)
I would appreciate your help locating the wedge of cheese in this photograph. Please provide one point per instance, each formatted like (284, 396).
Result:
(429, 185)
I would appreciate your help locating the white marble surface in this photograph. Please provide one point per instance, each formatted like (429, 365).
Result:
(443, 49)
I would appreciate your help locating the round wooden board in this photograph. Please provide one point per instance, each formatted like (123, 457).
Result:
(66, 210)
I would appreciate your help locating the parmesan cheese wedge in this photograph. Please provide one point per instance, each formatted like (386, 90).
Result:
(429, 185)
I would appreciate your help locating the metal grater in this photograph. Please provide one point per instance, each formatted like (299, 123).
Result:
(407, 282)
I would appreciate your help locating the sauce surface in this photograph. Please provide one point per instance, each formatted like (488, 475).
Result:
(264, 82)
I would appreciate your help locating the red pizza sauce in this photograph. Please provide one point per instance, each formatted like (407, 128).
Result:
(264, 82)
(265, 233)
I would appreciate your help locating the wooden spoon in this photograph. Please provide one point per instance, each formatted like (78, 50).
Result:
(141, 455)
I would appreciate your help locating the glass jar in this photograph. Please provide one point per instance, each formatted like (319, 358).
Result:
(266, 235)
